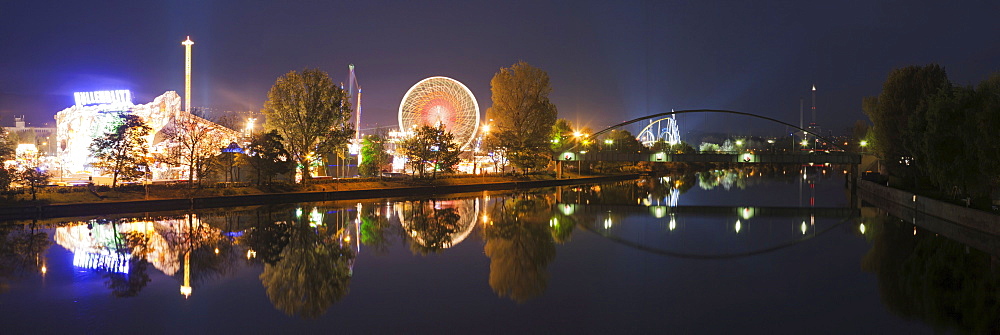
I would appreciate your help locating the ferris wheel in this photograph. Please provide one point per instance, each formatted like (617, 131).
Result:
(441, 101)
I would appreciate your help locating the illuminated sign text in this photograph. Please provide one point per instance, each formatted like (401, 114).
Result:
(117, 98)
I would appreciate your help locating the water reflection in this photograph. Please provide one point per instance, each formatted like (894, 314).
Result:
(22, 253)
(434, 225)
(520, 242)
(313, 270)
(946, 284)
(304, 255)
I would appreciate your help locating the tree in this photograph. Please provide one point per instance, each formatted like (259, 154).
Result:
(902, 100)
(562, 137)
(985, 123)
(33, 178)
(622, 141)
(522, 115)
(122, 151)
(429, 145)
(192, 141)
(944, 154)
(680, 148)
(310, 113)
(267, 155)
(373, 156)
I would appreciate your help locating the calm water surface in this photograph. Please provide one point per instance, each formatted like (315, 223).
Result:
(718, 252)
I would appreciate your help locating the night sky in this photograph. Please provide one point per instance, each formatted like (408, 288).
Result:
(607, 60)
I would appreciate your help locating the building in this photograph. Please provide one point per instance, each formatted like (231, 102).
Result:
(41, 137)
(95, 113)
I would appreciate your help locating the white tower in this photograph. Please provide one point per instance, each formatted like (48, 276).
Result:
(187, 73)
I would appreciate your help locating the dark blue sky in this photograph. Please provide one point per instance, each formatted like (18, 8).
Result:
(608, 60)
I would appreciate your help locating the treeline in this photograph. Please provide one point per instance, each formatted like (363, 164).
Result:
(930, 132)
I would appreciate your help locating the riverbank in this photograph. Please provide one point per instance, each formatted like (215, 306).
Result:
(327, 191)
(907, 205)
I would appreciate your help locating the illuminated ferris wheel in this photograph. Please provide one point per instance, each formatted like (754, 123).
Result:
(444, 101)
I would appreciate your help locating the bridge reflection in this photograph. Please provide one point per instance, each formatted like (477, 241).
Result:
(739, 211)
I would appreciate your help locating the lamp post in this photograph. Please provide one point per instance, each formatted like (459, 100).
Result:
(486, 133)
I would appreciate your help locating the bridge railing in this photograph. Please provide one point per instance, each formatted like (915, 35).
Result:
(818, 157)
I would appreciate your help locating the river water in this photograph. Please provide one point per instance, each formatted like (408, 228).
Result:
(716, 252)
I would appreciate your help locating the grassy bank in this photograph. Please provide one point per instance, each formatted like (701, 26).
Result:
(55, 195)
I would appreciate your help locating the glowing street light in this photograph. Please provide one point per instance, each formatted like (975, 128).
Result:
(804, 143)
(251, 122)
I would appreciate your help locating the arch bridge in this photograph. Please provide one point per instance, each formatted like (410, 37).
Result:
(802, 158)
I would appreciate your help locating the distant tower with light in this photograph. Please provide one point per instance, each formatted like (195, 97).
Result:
(353, 87)
(352, 84)
(187, 73)
(814, 104)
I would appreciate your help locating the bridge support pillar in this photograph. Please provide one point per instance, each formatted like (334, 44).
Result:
(854, 178)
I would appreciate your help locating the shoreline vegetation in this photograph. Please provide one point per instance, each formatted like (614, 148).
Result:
(90, 200)
(57, 195)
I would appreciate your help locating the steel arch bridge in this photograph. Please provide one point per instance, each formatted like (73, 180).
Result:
(721, 111)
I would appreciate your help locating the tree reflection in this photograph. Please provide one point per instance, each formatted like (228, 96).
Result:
(520, 247)
(136, 246)
(942, 282)
(22, 251)
(313, 272)
(561, 227)
(626, 192)
(375, 230)
(267, 238)
(430, 228)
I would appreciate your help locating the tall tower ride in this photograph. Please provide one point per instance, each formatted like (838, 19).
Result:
(187, 73)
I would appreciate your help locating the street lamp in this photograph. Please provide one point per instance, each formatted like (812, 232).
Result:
(250, 125)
